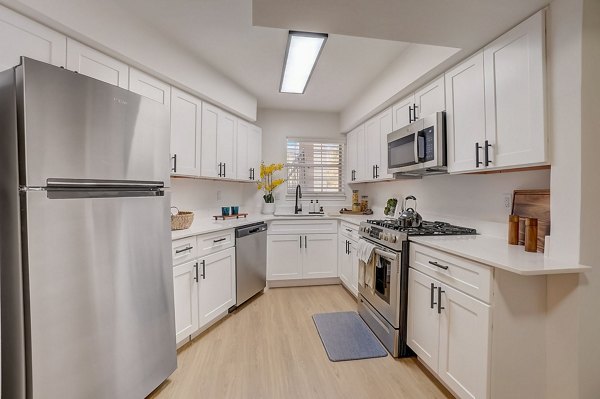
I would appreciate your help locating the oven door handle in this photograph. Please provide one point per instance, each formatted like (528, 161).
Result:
(387, 255)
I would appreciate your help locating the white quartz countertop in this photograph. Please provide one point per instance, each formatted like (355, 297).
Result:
(204, 224)
(498, 253)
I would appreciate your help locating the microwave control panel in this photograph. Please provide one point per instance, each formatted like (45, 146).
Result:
(426, 144)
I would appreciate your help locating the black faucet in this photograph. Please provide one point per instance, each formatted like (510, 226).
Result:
(298, 209)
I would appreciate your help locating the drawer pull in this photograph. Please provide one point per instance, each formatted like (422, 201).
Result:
(349, 230)
(438, 265)
(188, 248)
(220, 239)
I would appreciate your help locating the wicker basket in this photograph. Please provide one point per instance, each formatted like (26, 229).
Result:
(181, 220)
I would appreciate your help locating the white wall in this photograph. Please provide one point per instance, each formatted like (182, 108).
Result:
(207, 196)
(108, 27)
(473, 200)
(413, 63)
(277, 125)
(589, 317)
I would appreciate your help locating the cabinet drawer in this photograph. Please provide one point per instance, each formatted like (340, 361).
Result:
(470, 277)
(349, 230)
(183, 250)
(217, 241)
(302, 226)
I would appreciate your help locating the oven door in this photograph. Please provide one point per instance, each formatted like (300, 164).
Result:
(403, 148)
(385, 295)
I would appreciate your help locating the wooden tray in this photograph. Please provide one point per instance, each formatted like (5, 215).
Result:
(239, 215)
(345, 211)
(533, 204)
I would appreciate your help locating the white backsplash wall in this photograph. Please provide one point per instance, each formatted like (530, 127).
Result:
(474, 200)
(208, 196)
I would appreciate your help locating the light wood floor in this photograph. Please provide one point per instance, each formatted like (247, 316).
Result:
(270, 348)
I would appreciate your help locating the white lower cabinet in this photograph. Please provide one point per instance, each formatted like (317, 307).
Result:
(216, 292)
(348, 263)
(204, 288)
(185, 288)
(302, 256)
(450, 331)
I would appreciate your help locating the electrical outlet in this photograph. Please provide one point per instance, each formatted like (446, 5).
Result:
(219, 195)
(507, 201)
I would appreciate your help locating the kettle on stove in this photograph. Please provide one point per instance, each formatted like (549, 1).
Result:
(409, 217)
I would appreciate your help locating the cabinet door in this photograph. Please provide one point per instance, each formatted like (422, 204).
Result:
(242, 159)
(361, 173)
(514, 95)
(24, 37)
(423, 320)
(351, 155)
(185, 289)
(465, 113)
(186, 121)
(210, 126)
(227, 126)
(149, 87)
(320, 256)
(385, 128)
(464, 352)
(372, 147)
(344, 262)
(87, 61)
(254, 151)
(401, 112)
(283, 257)
(431, 98)
(216, 292)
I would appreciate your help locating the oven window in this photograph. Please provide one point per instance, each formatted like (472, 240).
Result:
(401, 152)
(383, 269)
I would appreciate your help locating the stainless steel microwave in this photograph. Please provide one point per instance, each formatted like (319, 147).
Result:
(419, 148)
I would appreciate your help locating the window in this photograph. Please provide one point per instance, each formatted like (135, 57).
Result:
(316, 165)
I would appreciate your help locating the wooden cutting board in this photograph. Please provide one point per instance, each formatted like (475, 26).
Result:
(533, 204)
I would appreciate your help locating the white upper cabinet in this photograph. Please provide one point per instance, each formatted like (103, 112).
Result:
(430, 98)
(465, 114)
(351, 155)
(87, 61)
(376, 131)
(186, 122)
(242, 151)
(385, 128)
(515, 96)
(227, 127)
(254, 152)
(402, 112)
(356, 155)
(149, 87)
(218, 147)
(24, 37)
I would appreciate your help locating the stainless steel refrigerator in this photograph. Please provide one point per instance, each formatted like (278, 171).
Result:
(85, 261)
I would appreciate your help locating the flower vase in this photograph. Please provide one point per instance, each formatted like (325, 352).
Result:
(268, 208)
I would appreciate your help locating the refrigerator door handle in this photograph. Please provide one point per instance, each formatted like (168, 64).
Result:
(95, 183)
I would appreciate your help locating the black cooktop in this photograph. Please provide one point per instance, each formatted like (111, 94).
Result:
(426, 229)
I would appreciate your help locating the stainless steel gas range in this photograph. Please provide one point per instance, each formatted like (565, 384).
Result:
(383, 307)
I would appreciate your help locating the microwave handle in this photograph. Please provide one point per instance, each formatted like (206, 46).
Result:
(416, 147)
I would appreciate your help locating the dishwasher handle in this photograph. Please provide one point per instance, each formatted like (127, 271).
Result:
(249, 230)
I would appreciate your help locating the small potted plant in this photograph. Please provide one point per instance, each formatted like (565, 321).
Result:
(267, 184)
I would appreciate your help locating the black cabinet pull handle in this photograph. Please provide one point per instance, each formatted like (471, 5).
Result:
(300, 242)
(438, 265)
(224, 169)
(220, 239)
(203, 270)
(432, 295)
(415, 112)
(174, 158)
(220, 168)
(196, 267)
(477, 161)
(410, 114)
(188, 248)
(486, 154)
(439, 302)
(377, 171)
(305, 243)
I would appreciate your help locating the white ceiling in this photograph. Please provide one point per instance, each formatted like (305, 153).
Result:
(466, 24)
(221, 33)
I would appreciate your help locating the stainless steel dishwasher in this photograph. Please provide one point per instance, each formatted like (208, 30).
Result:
(250, 261)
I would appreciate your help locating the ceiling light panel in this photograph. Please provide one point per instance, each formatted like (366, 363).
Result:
(302, 53)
